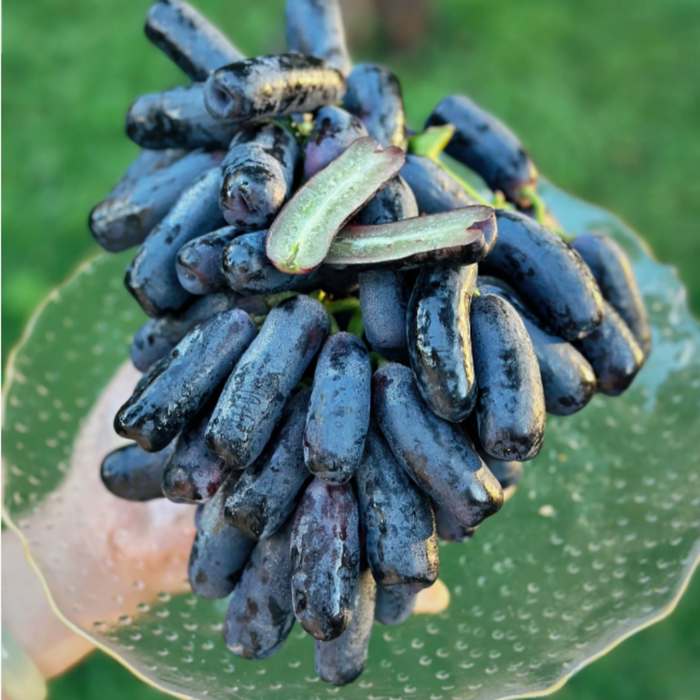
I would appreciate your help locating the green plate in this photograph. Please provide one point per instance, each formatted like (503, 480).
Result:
(598, 542)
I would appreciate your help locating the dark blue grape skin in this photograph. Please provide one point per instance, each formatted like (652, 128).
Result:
(613, 272)
(393, 608)
(342, 660)
(397, 521)
(272, 86)
(268, 491)
(485, 145)
(568, 380)
(435, 190)
(439, 343)
(158, 336)
(334, 130)
(130, 473)
(194, 473)
(143, 197)
(219, 553)
(176, 118)
(152, 276)
(248, 270)
(258, 173)
(253, 399)
(435, 453)
(448, 528)
(316, 29)
(613, 352)
(374, 95)
(199, 261)
(188, 39)
(547, 273)
(338, 416)
(325, 551)
(260, 614)
(507, 473)
(510, 409)
(178, 386)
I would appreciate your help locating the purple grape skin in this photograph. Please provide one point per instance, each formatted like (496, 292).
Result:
(613, 352)
(612, 270)
(144, 196)
(260, 614)
(158, 336)
(316, 28)
(334, 130)
(338, 415)
(179, 385)
(253, 399)
(199, 261)
(374, 95)
(189, 39)
(193, 473)
(176, 118)
(397, 521)
(219, 553)
(342, 660)
(258, 174)
(485, 145)
(510, 409)
(133, 474)
(267, 492)
(436, 454)
(448, 528)
(393, 608)
(325, 551)
(152, 276)
(547, 273)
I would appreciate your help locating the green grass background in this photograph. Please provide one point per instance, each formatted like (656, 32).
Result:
(604, 93)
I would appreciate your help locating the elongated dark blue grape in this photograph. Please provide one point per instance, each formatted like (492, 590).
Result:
(435, 190)
(199, 261)
(507, 473)
(316, 28)
(510, 409)
(374, 95)
(178, 387)
(158, 336)
(613, 353)
(568, 380)
(550, 276)
(248, 270)
(194, 473)
(258, 173)
(260, 614)
(176, 118)
(325, 549)
(189, 39)
(338, 417)
(219, 553)
(392, 608)
(135, 475)
(439, 342)
(342, 660)
(256, 392)
(613, 272)
(272, 86)
(334, 130)
(485, 145)
(267, 493)
(152, 276)
(449, 528)
(144, 196)
(397, 521)
(436, 454)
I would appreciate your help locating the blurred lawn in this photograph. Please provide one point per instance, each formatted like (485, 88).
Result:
(604, 94)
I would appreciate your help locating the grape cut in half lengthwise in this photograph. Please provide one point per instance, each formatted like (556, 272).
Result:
(302, 233)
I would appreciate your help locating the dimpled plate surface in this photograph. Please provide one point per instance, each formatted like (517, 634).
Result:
(599, 540)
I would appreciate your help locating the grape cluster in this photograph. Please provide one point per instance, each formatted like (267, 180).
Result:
(279, 236)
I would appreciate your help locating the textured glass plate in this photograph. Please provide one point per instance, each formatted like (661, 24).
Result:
(598, 542)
